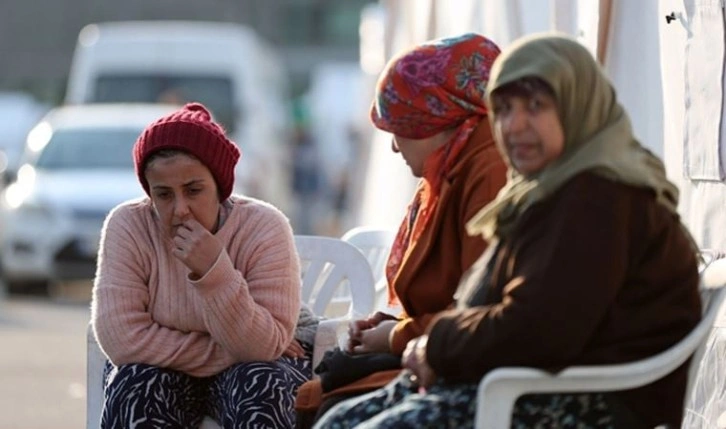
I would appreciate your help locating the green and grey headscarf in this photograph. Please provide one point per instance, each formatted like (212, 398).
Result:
(598, 135)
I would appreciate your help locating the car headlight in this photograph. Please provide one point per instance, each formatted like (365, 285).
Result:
(18, 192)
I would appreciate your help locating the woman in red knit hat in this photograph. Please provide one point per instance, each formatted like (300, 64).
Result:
(197, 291)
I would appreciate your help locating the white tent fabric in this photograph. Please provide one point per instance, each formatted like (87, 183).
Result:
(692, 58)
(703, 77)
(692, 100)
(633, 64)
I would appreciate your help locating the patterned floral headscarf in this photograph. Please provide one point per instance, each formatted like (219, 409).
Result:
(433, 87)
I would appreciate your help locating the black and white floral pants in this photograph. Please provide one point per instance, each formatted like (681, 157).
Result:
(246, 395)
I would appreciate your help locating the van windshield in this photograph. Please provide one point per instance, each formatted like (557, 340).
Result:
(89, 148)
(215, 92)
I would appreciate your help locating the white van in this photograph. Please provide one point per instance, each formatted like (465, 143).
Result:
(228, 67)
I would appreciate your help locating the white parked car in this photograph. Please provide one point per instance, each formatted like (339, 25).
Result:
(77, 166)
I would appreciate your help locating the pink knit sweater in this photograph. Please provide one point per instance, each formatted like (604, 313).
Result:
(146, 310)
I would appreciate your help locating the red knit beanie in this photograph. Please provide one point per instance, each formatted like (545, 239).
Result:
(191, 130)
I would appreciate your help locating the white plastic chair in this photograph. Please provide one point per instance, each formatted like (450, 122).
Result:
(375, 245)
(500, 388)
(327, 264)
(330, 265)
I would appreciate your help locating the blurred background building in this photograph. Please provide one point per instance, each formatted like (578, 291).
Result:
(37, 38)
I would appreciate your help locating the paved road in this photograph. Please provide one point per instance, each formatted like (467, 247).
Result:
(42, 363)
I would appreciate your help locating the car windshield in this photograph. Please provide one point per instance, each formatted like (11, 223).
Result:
(214, 92)
(89, 149)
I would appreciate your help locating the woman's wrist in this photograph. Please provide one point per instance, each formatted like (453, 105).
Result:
(392, 335)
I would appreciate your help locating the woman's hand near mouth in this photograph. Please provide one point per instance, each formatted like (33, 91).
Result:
(196, 247)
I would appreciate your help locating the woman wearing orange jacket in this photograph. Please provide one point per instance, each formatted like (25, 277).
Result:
(431, 99)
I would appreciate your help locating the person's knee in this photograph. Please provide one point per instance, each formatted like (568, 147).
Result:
(130, 376)
(139, 381)
(123, 385)
(258, 394)
(259, 381)
(138, 394)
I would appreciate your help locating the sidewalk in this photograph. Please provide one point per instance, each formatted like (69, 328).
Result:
(42, 364)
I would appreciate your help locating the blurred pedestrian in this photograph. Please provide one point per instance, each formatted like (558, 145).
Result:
(307, 173)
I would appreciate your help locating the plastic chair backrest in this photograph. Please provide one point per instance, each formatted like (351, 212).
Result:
(95, 361)
(375, 244)
(329, 264)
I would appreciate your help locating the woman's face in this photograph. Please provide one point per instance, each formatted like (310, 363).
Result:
(529, 129)
(181, 187)
(416, 151)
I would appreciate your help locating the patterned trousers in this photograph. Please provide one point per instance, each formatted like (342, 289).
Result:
(400, 405)
(246, 395)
